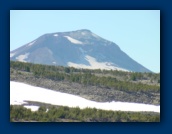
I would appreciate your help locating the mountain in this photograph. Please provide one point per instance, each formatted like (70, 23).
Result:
(80, 49)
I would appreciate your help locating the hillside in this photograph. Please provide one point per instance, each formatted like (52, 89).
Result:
(97, 85)
(79, 49)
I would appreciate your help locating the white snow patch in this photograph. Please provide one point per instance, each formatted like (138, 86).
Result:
(55, 35)
(20, 91)
(12, 54)
(33, 108)
(73, 40)
(95, 65)
(95, 35)
(30, 44)
(22, 57)
(83, 33)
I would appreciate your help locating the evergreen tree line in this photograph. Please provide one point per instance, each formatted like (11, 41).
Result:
(84, 76)
(90, 79)
(130, 75)
(61, 113)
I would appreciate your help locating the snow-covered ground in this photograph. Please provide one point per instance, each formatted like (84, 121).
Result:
(33, 108)
(95, 65)
(20, 92)
(22, 57)
(73, 40)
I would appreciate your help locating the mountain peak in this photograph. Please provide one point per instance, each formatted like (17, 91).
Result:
(80, 49)
(84, 30)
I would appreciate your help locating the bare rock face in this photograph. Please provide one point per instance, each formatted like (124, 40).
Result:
(80, 49)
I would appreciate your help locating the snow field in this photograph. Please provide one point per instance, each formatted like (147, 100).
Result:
(33, 108)
(20, 92)
(94, 64)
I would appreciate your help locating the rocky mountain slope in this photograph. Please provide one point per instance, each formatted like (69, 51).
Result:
(101, 87)
(80, 49)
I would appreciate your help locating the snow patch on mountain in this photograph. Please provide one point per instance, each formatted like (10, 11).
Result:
(20, 91)
(30, 44)
(22, 57)
(72, 40)
(95, 35)
(12, 54)
(55, 35)
(94, 64)
(83, 33)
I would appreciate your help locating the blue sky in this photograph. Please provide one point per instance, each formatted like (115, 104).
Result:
(136, 32)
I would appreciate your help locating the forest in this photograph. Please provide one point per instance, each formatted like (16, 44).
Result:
(66, 114)
(88, 77)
